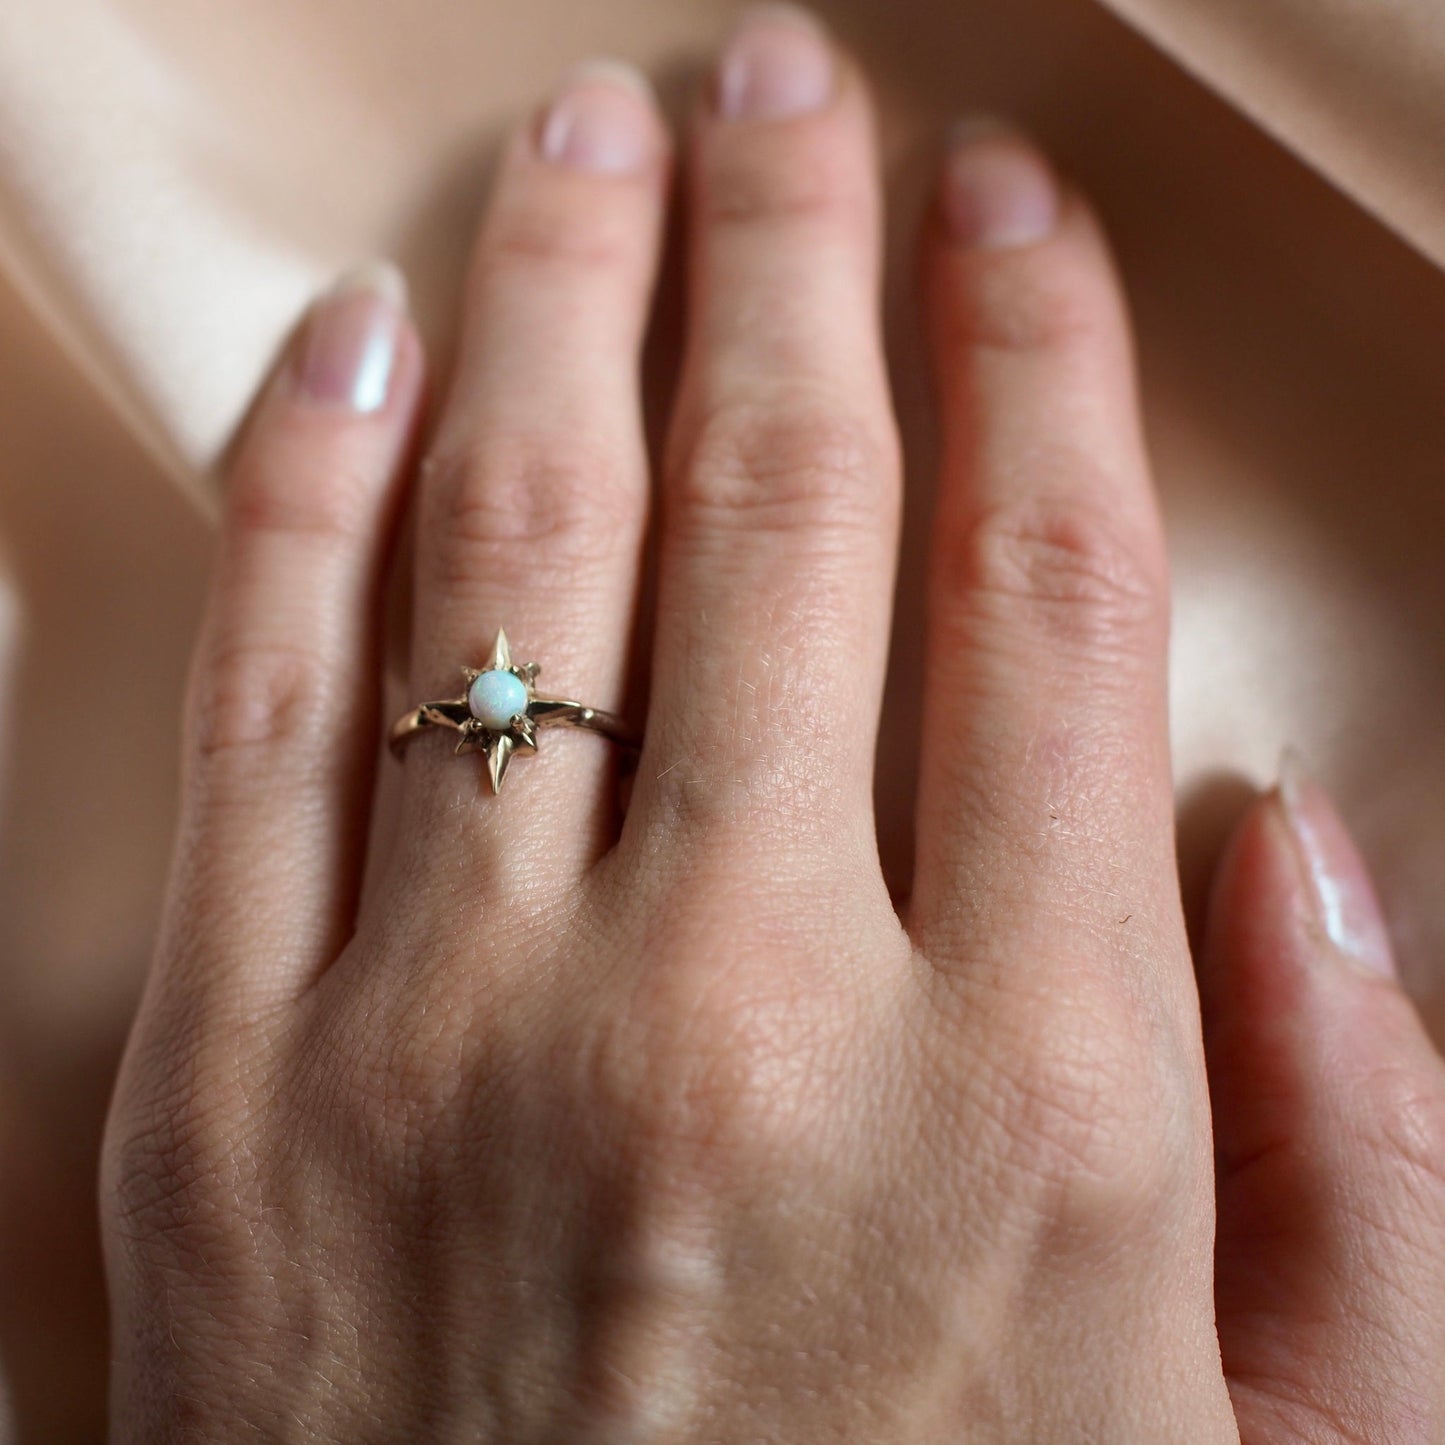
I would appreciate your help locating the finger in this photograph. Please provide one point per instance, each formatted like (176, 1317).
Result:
(534, 498)
(1329, 1111)
(780, 503)
(282, 727)
(1045, 769)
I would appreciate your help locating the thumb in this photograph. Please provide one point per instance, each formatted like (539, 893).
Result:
(1329, 1116)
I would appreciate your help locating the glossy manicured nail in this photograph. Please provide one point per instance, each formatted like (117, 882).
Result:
(779, 63)
(349, 345)
(1342, 893)
(603, 119)
(998, 191)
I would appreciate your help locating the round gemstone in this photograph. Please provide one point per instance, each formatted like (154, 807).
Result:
(496, 697)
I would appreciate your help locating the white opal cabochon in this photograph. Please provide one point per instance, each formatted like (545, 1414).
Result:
(496, 697)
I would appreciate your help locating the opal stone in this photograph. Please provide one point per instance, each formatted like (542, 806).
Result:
(496, 697)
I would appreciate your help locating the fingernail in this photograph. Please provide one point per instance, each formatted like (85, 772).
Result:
(998, 191)
(348, 349)
(603, 119)
(1343, 895)
(779, 63)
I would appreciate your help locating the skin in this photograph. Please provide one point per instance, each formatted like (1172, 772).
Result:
(529, 1118)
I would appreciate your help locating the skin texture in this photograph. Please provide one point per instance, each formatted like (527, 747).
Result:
(550, 1122)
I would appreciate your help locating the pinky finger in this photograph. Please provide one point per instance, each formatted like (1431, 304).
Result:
(281, 726)
(1329, 1108)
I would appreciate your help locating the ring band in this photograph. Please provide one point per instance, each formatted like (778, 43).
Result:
(501, 712)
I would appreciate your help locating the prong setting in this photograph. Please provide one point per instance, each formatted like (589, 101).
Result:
(500, 712)
(481, 732)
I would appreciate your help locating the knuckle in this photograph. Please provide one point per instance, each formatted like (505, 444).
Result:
(155, 1176)
(705, 1082)
(259, 697)
(176, 1163)
(805, 469)
(756, 198)
(333, 504)
(554, 239)
(815, 182)
(696, 1101)
(1089, 1119)
(395, 1102)
(528, 502)
(410, 1102)
(1030, 309)
(1063, 569)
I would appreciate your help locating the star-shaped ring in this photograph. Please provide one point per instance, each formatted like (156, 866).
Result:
(501, 712)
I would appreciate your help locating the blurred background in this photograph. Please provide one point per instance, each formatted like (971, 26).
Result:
(177, 179)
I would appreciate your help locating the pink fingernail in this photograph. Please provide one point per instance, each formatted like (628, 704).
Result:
(998, 191)
(349, 347)
(603, 119)
(779, 63)
(1343, 895)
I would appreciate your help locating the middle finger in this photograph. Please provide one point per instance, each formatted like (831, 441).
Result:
(781, 495)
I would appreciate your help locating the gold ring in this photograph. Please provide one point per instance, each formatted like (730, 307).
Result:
(500, 712)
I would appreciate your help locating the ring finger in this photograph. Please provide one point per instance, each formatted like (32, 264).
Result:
(533, 499)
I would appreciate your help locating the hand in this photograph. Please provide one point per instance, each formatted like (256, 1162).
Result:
(570, 1126)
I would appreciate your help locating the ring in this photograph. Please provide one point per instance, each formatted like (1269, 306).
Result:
(501, 712)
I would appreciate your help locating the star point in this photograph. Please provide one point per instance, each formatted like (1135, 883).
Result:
(499, 756)
(501, 660)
